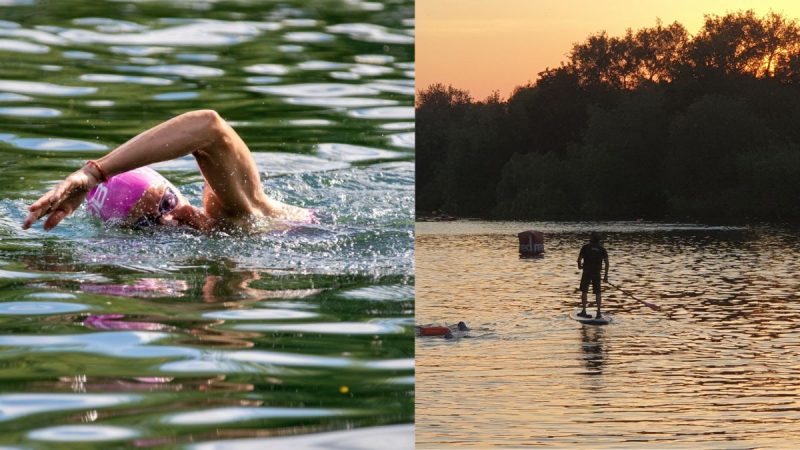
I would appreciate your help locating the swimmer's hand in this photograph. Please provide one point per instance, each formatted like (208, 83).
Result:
(62, 200)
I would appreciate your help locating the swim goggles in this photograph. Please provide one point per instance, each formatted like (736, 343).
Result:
(168, 202)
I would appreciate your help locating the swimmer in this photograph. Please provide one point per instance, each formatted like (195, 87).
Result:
(119, 189)
(446, 332)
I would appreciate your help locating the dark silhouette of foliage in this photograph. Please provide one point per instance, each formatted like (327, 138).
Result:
(654, 124)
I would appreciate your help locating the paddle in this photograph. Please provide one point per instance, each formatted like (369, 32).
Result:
(652, 306)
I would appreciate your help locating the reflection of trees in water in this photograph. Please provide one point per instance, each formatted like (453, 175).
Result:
(594, 357)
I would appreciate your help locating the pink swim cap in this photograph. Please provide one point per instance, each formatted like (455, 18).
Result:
(114, 199)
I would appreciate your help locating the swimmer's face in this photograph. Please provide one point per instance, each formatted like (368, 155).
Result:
(156, 202)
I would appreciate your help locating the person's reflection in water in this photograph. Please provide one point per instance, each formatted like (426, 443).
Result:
(592, 339)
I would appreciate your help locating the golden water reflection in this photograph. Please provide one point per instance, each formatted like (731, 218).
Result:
(718, 365)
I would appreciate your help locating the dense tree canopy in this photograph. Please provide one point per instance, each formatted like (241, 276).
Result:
(654, 124)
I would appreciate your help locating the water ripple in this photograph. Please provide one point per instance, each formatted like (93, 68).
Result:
(209, 32)
(121, 344)
(242, 414)
(339, 102)
(110, 78)
(14, 406)
(183, 70)
(259, 314)
(346, 328)
(40, 88)
(308, 36)
(313, 90)
(267, 69)
(405, 140)
(39, 308)
(394, 437)
(353, 153)
(82, 433)
(51, 144)
(11, 45)
(370, 33)
(390, 112)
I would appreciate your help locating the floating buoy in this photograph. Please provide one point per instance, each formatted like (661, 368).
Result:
(446, 332)
(531, 243)
(433, 331)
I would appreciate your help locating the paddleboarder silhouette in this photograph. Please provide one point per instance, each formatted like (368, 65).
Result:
(592, 257)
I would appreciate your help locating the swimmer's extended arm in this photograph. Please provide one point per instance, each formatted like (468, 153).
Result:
(224, 159)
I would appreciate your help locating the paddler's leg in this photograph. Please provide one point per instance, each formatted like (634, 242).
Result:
(584, 294)
(597, 294)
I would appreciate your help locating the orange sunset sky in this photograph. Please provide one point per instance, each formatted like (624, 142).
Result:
(487, 45)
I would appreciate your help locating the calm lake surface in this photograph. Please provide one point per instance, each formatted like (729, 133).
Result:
(170, 338)
(718, 368)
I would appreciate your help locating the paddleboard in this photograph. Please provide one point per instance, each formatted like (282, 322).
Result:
(604, 320)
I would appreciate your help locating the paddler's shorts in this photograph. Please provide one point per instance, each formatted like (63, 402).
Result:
(588, 277)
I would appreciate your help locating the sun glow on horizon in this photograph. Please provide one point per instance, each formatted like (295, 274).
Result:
(485, 46)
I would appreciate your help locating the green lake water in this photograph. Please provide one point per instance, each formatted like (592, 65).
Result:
(112, 338)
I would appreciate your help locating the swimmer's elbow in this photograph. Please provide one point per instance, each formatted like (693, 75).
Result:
(205, 118)
(209, 122)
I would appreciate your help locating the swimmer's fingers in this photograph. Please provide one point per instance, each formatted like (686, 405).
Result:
(54, 219)
(66, 208)
(45, 200)
(37, 210)
(64, 198)
(76, 183)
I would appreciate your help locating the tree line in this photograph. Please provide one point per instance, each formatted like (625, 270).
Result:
(655, 124)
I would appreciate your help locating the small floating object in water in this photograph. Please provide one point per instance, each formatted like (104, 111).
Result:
(531, 243)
